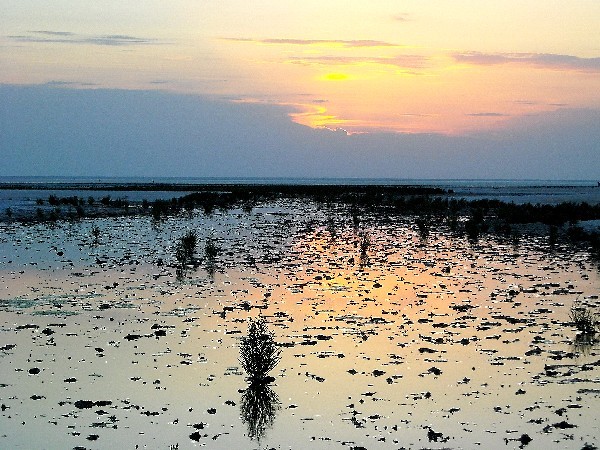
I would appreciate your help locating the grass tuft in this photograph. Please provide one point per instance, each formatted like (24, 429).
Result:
(185, 249)
(259, 353)
(584, 320)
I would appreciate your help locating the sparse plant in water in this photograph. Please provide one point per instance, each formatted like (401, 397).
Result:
(96, 233)
(331, 228)
(552, 235)
(365, 243)
(54, 214)
(355, 216)
(423, 224)
(584, 320)
(259, 353)
(211, 250)
(185, 248)
(53, 200)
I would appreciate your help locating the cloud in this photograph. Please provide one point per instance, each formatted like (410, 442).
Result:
(93, 132)
(66, 37)
(53, 33)
(542, 60)
(321, 42)
(402, 61)
(487, 114)
(402, 17)
(61, 83)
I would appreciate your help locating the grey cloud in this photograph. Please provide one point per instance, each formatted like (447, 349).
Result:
(541, 60)
(61, 83)
(53, 33)
(402, 61)
(66, 37)
(93, 132)
(487, 114)
(341, 42)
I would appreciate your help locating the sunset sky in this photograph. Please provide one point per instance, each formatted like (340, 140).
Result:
(453, 71)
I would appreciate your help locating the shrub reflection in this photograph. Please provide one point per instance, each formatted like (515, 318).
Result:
(259, 406)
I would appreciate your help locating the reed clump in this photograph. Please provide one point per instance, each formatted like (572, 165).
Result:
(584, 320)
(259, 354)
(185, 249)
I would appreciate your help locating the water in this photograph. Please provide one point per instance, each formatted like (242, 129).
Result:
(429, 343)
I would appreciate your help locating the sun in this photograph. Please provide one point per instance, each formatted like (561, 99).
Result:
(336, 76)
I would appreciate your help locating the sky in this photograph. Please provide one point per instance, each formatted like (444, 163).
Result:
(401, 89)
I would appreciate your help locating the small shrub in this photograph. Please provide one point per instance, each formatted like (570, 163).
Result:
(96, 233)
(211, 250)
(584, 320)
(185, 248)
(54, 215)
(53, 200)
(259, 353)
(159, 209)
(423, 224)
(365, 243)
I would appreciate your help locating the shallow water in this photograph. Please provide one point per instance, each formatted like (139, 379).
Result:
(427, 343)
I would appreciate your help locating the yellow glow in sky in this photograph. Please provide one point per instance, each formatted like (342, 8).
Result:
(335, 77)
(436, 66)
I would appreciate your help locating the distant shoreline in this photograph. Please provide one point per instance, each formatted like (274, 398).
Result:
(187, 183)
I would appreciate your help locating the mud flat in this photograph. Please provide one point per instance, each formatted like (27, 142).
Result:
(392, 334)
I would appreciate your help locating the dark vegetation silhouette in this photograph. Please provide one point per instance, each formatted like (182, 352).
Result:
(584, 320)
(211, 252)
(185, 248)
(365, 243)
(430, 208)
(259, 405)
(259, 354)
(95, 232)
(185, 253)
